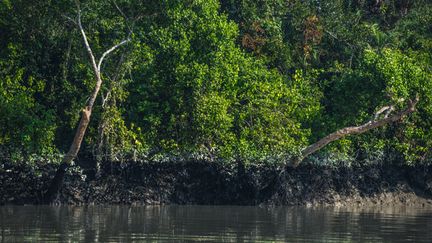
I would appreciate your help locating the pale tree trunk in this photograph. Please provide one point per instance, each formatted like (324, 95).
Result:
(57, 181)
(356, 129)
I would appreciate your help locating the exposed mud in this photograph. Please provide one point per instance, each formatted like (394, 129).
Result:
(214, 183)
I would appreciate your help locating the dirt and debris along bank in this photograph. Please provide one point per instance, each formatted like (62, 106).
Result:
(200, 182)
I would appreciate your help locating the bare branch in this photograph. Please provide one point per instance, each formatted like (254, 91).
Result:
(87, 45)
(119, 9)
(388, 109)
(109, 51)
(70, 19)
(355, 130)
(105, 98)
(337, 38)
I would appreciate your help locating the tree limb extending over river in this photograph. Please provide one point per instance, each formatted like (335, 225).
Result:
(374, 123)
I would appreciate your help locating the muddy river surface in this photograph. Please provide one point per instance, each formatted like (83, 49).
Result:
(214, 224)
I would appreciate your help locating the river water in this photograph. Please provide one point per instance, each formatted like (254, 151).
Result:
(214, 224)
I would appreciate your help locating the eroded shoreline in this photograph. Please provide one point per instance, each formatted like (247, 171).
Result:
(209, 183)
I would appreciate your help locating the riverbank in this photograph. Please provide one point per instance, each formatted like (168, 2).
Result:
(221, 184)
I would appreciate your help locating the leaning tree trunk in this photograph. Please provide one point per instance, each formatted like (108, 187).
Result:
(57, 181)
(355, 130)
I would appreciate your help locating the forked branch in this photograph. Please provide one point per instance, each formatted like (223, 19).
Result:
(74, 148)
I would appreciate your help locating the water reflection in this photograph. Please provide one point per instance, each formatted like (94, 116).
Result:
(214, 223)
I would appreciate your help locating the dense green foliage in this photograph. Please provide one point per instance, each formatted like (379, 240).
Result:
(250, 80)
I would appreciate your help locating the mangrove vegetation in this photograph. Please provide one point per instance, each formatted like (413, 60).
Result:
(272, 82)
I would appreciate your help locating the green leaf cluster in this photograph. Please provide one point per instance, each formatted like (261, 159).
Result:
(250, 80)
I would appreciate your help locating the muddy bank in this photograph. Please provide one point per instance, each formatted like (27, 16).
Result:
(201, 182)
